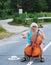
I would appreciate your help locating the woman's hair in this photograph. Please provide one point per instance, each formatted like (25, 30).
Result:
(33, 24)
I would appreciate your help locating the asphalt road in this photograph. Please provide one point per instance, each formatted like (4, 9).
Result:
(17, 49)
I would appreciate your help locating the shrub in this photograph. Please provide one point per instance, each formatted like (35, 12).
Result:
(19, 19)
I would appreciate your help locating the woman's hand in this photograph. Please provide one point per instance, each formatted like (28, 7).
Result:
(24, 37)
(24, 34)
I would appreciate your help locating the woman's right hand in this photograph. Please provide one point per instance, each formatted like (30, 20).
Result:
(24, 37)
(24, 34)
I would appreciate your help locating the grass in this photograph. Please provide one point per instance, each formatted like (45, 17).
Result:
(14, 23)
(4, 33)
(2, 29)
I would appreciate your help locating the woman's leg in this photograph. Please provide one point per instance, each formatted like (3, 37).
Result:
(41, 56)
(25, 57)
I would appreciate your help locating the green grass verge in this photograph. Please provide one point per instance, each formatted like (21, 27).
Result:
(2, 29)
(14, 23)
(4, 33)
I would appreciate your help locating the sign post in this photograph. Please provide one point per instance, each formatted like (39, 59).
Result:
(20, 11)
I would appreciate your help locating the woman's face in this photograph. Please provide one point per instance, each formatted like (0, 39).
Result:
(34, 28)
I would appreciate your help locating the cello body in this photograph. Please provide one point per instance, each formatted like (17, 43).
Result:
(34, 49)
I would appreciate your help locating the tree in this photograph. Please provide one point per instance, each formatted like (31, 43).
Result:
(28, 5)
(49, 5)
(13, 5)
(34, 5)
(41, 5)
(4, 8)
(16, 4)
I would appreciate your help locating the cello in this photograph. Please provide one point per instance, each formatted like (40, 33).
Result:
(34, 49)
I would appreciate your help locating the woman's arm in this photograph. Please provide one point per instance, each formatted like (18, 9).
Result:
(24, 34)
(41, 31)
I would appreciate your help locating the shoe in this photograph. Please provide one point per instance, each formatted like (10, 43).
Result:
(23, 59)
(41, 59)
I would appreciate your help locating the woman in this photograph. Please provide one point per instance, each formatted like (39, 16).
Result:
(29, 34)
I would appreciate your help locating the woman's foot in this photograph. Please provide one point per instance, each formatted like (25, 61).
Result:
(41, 59)
(23, 59)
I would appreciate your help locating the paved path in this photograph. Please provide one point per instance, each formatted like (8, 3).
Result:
(11, 28)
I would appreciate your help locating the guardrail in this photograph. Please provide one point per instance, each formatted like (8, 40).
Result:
(26, 19)
(42, 18)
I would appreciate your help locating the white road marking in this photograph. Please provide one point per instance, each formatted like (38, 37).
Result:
(44, 49)
(30, 63)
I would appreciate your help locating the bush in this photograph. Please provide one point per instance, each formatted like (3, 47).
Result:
(20, 19)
